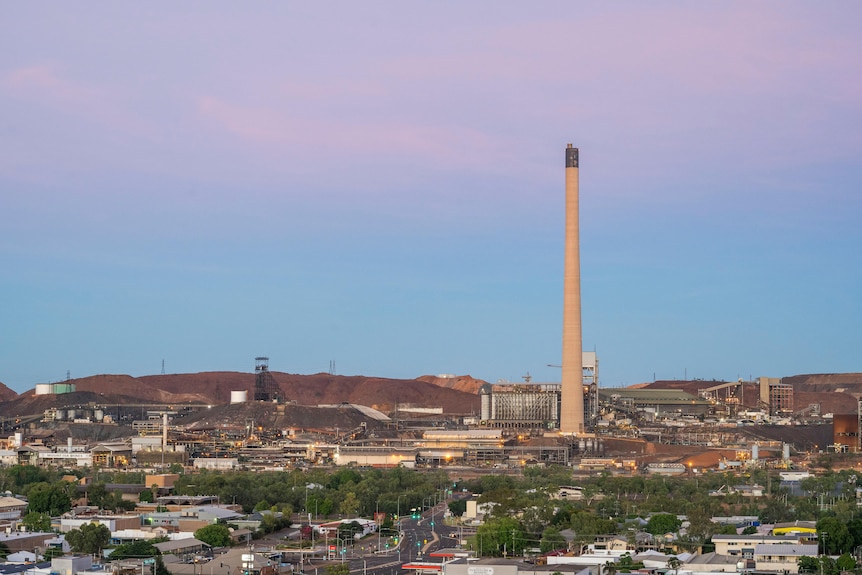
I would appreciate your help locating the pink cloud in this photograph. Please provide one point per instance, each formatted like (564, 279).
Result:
(450, 145)
(42, 81)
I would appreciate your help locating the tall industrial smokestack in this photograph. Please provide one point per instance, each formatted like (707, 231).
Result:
(572, 388)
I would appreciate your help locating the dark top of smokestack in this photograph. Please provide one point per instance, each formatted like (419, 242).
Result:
(571, 157)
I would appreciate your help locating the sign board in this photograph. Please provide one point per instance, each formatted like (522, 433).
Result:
(480, 571)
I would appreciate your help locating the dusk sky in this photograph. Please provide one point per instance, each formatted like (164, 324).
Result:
(380, 184)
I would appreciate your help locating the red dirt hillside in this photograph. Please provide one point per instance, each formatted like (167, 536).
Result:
(6, 394)
(215, 388)
(463, 383)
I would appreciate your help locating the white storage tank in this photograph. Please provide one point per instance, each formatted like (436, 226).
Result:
(44, 389)
(239, 396)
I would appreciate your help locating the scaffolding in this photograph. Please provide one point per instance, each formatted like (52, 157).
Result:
(780, 399)
(524, 406)
(265, 388)
(590, 364)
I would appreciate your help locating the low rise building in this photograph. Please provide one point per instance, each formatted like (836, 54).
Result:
(744, 545)
(782, 558)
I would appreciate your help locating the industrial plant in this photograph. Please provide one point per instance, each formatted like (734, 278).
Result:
(576, 422)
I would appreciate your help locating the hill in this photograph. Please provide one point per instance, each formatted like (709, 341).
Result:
(216, 387)
(6, 394)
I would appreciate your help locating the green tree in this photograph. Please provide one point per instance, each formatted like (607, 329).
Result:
(458, 507)
(501, 535)
(338, 569)
(214, 535)
(96, 494)
(50, 498)
(22, 476)
(701, 526)
(89, 539)
(838, 539)
(552, 540)
(808, 564)
(348, 531)
(52, 552)
(115, 502)
(349, 506)
(662, 523)
(845, 562)
(37, 521)
(134, 549)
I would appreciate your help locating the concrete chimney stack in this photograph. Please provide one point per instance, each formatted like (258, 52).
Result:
(572, 385)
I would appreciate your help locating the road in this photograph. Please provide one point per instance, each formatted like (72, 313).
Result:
(418, 539)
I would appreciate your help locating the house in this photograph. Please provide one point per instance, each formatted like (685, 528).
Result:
(183, 548)
(11, 507)
(711, 563)
(476, 510)
(21, 557)
(71, 564)
(569, 493)
(239, 560)
(8, 457)
(778, 558)
(802, 529)
(368, 526)
(58, 543)
(743, 545)
(112, 522)
(194, 518)
(24, 540)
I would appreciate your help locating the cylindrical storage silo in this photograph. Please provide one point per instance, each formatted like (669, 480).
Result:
(240, 396)
(98, 415)
(19, 439)
(43, 389)
(71, 414)
(755, 452)
(485, 403)
(785, 452)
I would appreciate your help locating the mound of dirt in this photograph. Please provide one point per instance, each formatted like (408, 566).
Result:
(216, 387)
(6, 394)
(463, 383)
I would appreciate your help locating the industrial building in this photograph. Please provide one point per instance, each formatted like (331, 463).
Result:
(776, 396)
(531, 405)
(657, 402)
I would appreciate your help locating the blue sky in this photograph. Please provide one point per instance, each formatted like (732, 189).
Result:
(381, 185)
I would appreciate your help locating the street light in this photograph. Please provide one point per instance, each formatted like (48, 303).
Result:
(377, 525)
